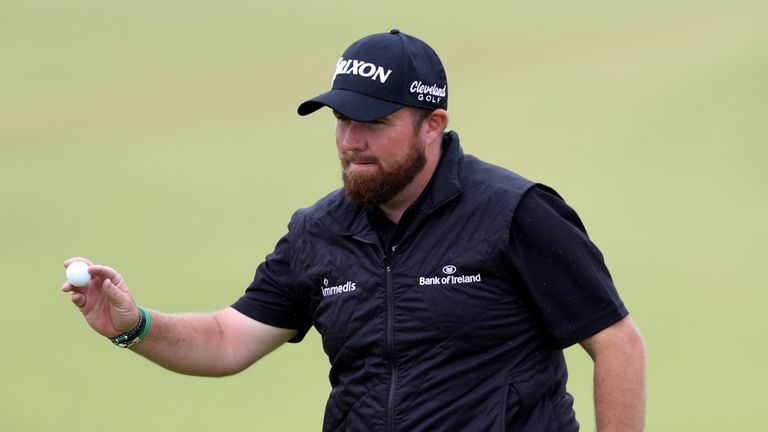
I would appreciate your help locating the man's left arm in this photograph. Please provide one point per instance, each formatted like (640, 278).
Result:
(618, 352)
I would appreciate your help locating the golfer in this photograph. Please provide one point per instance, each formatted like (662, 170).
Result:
(444, 288)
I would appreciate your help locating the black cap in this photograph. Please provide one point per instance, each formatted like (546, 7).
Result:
(380, 74)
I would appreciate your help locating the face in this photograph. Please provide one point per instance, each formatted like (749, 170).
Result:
(379, 158)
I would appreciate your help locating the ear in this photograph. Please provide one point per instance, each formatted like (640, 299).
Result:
(435, 124)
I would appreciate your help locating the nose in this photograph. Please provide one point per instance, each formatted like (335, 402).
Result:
(350, 135)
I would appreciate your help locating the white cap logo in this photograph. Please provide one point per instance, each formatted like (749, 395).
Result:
(360, 68)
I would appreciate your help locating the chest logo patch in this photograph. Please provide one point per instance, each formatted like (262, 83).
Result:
(346, 287)
(450, 277)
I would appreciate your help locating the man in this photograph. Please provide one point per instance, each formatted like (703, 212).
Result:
(444, 288)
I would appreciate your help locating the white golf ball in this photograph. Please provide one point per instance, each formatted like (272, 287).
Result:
(77, 274)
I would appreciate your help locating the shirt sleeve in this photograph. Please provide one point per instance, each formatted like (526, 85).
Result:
(272, 298)
(562, 269)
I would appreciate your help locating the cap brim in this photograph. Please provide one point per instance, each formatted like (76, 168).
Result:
(353, 105)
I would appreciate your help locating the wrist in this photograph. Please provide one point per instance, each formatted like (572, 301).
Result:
(136, 334)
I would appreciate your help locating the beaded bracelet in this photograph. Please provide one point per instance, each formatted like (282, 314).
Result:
(136, 334)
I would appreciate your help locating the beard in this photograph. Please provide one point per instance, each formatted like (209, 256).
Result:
(377, 188)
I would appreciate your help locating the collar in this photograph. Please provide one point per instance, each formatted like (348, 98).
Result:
(445, 184)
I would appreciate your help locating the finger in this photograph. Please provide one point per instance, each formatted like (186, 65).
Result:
(78, 299)
(105, 272)
(68, 287)
(113, 293)
(73, 259)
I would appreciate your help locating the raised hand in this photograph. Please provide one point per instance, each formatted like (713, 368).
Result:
(105, 301)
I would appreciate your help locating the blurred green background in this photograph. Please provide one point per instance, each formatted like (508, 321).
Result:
(160, 137)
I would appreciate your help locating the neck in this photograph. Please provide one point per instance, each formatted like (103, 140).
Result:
(394, 208)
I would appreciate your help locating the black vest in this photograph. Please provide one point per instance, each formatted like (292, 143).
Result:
(437, 333)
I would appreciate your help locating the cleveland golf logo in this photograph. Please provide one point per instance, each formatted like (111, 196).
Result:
(449, 271)
(430, 93)
(360, 68)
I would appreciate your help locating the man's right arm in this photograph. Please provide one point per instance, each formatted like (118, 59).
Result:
(208, 344)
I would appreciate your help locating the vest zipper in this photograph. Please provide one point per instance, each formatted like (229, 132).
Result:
(391, 342)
